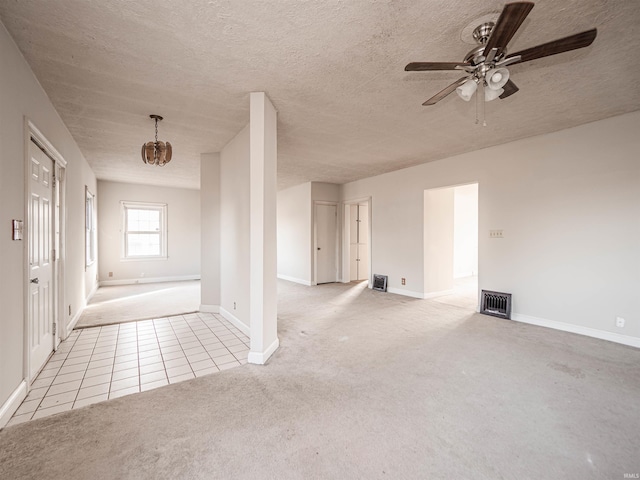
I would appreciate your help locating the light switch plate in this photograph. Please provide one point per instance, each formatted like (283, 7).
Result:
(17, 226)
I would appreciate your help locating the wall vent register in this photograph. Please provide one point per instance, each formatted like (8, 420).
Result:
(380, 283)
(497, 304)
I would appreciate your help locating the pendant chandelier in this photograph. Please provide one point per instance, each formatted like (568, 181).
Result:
(156, 153)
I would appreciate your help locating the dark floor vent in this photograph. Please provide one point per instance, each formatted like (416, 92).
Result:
(496, 303)
(380, 283)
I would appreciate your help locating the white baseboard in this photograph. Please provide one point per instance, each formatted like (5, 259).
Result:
(464, 275)
(13, 403)
(235, 320)
(72, 324)
(406, 293)
(260, 358)
(133, 281)
(568, 327)
(209, 308)
(92, 293)
(441, 293)
(295, 280)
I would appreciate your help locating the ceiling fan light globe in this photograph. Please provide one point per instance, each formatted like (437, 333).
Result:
(467, 89)
(491, 94)
(497, 78)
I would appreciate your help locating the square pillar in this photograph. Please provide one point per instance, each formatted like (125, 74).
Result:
(210, 232)
(263, 287)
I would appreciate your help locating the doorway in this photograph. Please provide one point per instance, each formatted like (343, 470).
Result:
(451, 245)
(326, 242)
(356, 263)
(359, 241)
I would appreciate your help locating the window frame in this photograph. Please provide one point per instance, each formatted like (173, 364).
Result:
(163, 231)
(90, 228)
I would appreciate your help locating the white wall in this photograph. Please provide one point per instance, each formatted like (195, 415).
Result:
(234, 227)
(21, 96)
(465, 231)
(569, 205)
(326, 192)
(438, 241)
(183, 225)
(295, 234)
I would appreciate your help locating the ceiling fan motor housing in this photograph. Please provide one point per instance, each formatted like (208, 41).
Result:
(482, 32)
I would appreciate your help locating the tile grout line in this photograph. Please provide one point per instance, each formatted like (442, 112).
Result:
(56, 376)
(162, 356)
(85, 368)
(230, 331)
(113, 365)
(51, 384)
(220, 340)
(180, 343)
(202, 344)
(164, 365)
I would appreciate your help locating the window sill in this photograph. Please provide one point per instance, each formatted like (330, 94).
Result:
(143, 259)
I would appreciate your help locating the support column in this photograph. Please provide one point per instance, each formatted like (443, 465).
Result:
(263, 248)
(210, 232)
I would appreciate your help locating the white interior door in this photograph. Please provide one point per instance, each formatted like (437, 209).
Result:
(353, 243)
(326, 242)
(359, 242)
(363, 242)
(41, 302)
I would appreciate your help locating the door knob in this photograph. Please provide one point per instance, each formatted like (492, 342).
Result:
(35, 280)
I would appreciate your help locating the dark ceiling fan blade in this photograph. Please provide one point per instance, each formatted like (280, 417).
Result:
(429, 66)
(443, 93)
(512, 16)
(509, 89)
(566, 44)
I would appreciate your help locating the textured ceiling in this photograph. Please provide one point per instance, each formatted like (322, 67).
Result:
(333, 69)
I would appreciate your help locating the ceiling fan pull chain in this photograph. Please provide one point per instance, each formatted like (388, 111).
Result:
(480, 104)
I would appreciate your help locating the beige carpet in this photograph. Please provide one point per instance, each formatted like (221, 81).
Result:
(124, 303)
(365, 385)
(465, 294)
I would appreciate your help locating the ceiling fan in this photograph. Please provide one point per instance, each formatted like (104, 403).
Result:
(485, 65)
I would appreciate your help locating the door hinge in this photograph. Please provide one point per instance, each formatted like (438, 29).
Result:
(54, 181)
(53, 255)
(54, 328)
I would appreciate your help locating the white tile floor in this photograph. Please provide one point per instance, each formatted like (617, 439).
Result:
(101, 363)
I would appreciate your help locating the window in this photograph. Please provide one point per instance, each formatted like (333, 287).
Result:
(89, 227)
(144, 230)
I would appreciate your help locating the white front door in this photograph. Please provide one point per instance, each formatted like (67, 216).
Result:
(326, 240)
(41, 313)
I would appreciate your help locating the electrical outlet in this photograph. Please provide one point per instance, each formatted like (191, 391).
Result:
(495, 234)
(619, 322)
(142, 275)
(69, 310)
(234, 305)
(404, 281)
